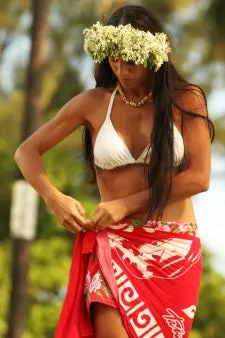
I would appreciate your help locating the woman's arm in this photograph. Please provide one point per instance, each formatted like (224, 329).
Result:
(186, 184)
(196, 177)
(28, 154)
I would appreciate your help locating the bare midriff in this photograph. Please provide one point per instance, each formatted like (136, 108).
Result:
(130, 179)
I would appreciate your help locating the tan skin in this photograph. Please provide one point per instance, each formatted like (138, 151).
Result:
(123, 190)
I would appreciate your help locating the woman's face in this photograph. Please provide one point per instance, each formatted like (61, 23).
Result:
(128, 73)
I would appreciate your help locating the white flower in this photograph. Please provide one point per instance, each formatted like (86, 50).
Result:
(95, 283)
(127, 42)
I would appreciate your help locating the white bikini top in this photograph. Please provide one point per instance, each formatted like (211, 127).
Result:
(110, 151)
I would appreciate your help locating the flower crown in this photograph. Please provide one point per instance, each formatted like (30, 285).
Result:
(128, 43)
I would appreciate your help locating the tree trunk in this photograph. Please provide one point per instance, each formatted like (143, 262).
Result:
(32, 117)
(33, 109)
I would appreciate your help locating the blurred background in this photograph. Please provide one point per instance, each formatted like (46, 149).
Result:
(42, 66)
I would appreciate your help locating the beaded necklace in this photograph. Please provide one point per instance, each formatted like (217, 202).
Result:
(131, 102)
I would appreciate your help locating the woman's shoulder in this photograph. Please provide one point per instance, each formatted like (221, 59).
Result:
(90, 99)
(191, 98)
(88, 105)
(96, 94)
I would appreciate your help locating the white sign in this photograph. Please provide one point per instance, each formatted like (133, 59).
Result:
(23, 215)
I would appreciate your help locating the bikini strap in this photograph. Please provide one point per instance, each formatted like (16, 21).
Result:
(111, 103)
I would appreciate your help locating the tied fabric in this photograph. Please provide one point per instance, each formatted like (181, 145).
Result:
(74, 320)
(154, 276)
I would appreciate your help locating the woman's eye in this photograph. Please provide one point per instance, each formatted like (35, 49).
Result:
(131, 62)
(113, 59)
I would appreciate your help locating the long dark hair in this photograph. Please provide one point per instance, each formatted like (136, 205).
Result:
(167, 81)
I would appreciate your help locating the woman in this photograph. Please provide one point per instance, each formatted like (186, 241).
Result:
(136, 267)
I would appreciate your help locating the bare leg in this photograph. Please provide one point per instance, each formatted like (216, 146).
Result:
(107, 322)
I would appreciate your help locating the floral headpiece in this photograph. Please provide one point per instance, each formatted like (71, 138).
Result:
(128, 43)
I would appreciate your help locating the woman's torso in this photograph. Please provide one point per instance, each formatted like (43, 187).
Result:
(134, 127)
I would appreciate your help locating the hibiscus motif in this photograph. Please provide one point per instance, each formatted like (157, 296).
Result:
(95, 283)
(164, 227)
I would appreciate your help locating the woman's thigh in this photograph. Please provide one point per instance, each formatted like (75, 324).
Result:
(107, 322)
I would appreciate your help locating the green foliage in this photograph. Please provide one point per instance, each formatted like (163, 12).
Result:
(216, 29)
(195, 334)
(42, 320)
(4, 284)
(11, 111)
(211, 309)
(47, 280)
(10, 13)
(220, 128)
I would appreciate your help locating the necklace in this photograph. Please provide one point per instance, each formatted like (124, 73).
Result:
(131, 102)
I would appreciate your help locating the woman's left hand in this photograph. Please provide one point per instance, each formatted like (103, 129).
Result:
(106, 214)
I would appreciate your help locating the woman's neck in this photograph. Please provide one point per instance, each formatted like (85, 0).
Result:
(137, 92)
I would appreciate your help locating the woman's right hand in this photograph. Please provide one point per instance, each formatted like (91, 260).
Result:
(69, 212)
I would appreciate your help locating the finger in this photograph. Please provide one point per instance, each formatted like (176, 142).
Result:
(88, 225)
(70, 229)
(80, 220)
(96, 217)
(72, 226)
(76, 226)
(102, 222)
(80, 208)
(71, 220)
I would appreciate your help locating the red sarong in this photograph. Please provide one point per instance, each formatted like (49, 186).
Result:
(153, 273)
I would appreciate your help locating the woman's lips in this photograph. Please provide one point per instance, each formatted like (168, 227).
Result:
(125, 81)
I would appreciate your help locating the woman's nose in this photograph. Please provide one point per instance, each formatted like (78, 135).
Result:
(121, 68)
